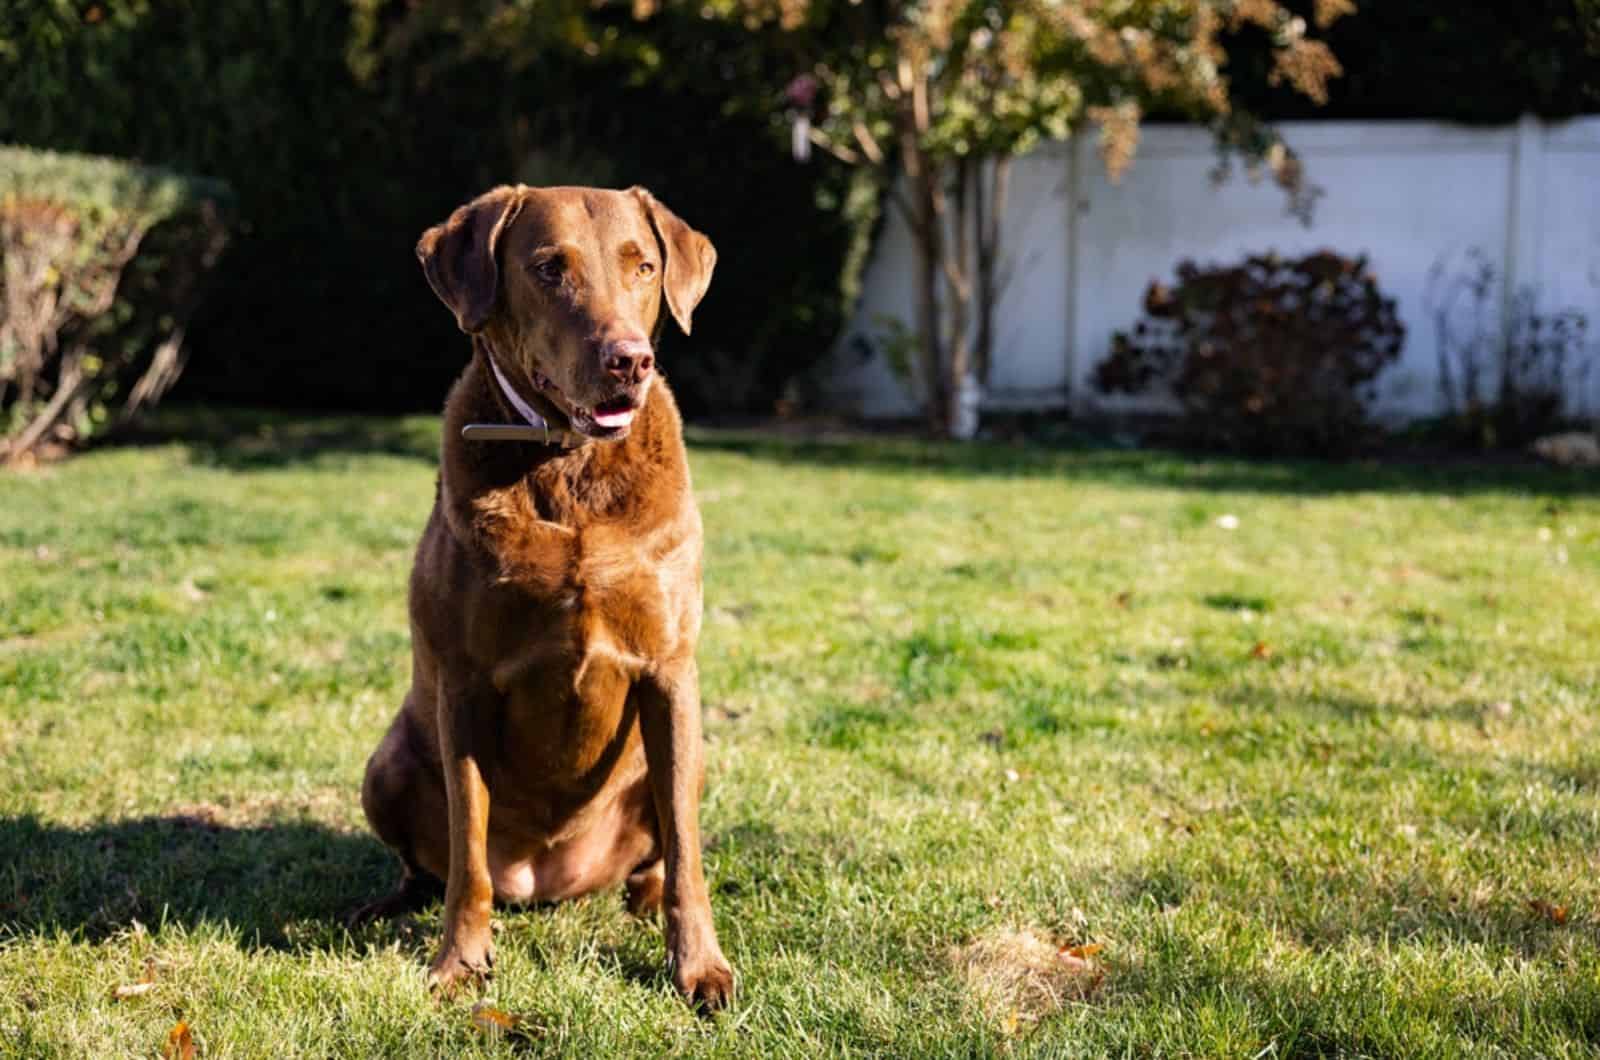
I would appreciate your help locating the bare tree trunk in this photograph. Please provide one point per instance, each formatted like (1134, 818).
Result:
(958, 293)
(958, 276)
(927, 231)
(989, 215)
(951, 360)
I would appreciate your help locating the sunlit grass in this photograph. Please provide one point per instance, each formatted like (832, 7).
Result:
(1301, 778)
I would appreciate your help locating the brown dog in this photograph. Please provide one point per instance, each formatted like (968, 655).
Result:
(550, 744)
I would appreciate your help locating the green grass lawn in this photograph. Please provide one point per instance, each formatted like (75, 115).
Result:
(1311, 752)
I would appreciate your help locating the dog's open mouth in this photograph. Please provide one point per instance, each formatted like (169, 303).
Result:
(618, 412)
(608, 419)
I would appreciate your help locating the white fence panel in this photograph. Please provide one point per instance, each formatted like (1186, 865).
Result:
(1413, 196)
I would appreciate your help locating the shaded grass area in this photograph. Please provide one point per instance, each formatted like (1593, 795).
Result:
(1296, 744)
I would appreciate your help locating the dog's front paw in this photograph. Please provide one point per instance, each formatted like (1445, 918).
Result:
(706, 981)
(461, 963)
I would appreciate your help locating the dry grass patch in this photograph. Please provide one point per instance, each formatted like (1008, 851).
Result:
(1018, 977)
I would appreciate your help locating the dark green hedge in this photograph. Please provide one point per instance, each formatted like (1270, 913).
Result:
(260, 94)
(341, 155)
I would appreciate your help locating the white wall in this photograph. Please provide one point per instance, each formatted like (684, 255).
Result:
(1081, 250)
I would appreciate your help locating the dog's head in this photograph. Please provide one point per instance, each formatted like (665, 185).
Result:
(565, 285)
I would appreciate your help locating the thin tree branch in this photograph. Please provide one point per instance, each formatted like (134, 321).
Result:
(868, 142)
(837, 150)
(66, 390)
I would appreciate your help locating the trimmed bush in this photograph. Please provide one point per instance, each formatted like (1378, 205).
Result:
(1270, 356)
(102, 263)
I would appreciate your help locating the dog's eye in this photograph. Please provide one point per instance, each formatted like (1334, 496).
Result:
(548, 271)
(646, 269)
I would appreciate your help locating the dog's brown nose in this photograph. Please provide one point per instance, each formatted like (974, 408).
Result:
(629, 360)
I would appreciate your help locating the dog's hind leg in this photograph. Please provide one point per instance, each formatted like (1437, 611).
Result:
(417, 887)
(395, 794)
(646, 884)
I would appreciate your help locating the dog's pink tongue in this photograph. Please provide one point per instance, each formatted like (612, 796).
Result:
(620, 418)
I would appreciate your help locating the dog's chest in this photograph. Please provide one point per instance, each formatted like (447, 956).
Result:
(609, 598)
(621, 611)
(570, 655)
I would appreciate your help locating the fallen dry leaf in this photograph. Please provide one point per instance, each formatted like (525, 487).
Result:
(1556, 914)
(486, 1017)
(147, 982)
(1077, 960)
(180, 1043)
(1262, 650)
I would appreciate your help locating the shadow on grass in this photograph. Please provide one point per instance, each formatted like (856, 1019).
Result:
(281, 886)
(252, 439)
(1150, 468)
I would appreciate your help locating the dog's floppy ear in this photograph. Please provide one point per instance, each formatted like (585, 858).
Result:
(689, 258)
(458, 256)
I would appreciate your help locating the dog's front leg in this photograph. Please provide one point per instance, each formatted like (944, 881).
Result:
(467, 952)
(669, 717)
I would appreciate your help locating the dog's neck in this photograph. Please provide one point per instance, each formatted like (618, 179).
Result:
(480, 483)
(532, 426)
(479, 398)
